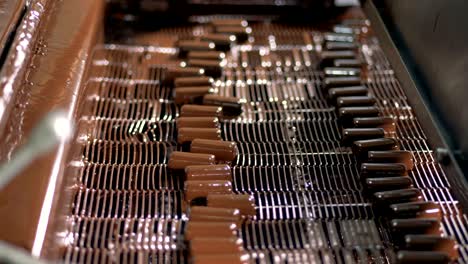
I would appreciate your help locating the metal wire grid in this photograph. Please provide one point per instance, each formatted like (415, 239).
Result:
(129, 181)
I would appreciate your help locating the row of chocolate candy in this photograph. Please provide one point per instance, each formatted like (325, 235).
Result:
(215, 212)
(384, 167)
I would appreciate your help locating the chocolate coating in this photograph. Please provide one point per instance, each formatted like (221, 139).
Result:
(334, 45)
(185, 95)
(361, 147)
(200, 122)
(223, 150)
(347, 63)
(213, 214)
(209, 172)
(347, 91)
(200, 189)
(346, 113)
(230, 22)
(231, 105)
(197, 229)
(384, 169)
(433, 243)
(206, 55)
(190, 45)
(242, 33)
(416, 226)
(338, 37)
(215, 245)
(411, 257)
(352, 134)
(177, 72)
(244, 202)
(333, 82)
(388, 183)
(385, 122)
(397, 196)
(193, 81)
(189, 110)
(327, 57)
(221, 258)
(188, 134)
(179, 160)
(392, 156)
(212, 68)
(355, 101)
(222, 41)
(342, 71)
(416, 210)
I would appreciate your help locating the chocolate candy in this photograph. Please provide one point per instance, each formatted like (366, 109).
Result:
(179, 160)
(210, 172)
(212, 68)
(231, 105)
(343, 29)
(385, 122)
(193, 81)
(173, 73)
(215, 245)
(347, 91)
(416, 226)
(206, 55)
(200, 189)
(185, 95)
(223, 150)
(432, 243)
(241, 33)
(393, 156)
(413, 257)
(338, 37)
(188, 134)
(200, 122)
(222, 41)
(189, 110)
(197, 229)
(342, 71)
(388, 183)
(194, 45)
(355, 101)
(397, 196)
(212, 214)
(383, 169)
(244, 202)
(230, 22)
(327, 58)
(221, 258)
(346, 114)
(347, 63)
(361, 147)
(416, 210)
(352, 134)
(334, 45)
(333, 82)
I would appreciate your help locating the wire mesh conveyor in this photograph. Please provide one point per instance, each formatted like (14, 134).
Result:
(310, 202)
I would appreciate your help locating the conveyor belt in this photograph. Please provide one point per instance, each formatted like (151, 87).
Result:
(311, 205)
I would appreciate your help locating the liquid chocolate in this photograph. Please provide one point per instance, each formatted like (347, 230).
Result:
(388, 183)
(392, 156)
(232, 106)
(398, 196)
(433, 243)
(416, 210)
(416, 226)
